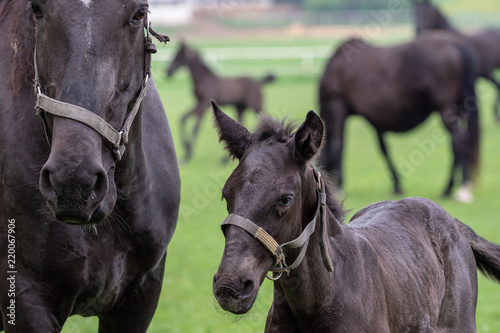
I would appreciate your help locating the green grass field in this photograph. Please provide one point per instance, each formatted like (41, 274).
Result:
(187, 304)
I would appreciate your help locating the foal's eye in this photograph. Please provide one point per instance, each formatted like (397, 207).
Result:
(140, 15)
(36, 10)
(285, 201)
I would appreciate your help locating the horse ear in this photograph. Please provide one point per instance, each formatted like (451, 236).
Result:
(308, 138)
(235, 136)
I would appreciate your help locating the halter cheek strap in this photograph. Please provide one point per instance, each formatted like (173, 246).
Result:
(276, 250)
(117, 139)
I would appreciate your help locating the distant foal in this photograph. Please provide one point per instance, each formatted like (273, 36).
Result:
(398, 266)
(242, 92)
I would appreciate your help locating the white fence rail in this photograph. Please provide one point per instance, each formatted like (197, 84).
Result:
(304, 59)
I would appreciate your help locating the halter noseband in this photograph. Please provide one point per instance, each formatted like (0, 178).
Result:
(276, 250)
(117, 139)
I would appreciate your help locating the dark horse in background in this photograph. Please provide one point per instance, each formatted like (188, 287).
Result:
(91, 219)
(395, 88)
(241, 92)
(398, 266)
(485, 43)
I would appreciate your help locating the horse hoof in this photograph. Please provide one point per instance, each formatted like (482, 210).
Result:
(464, 194)
(397, 191)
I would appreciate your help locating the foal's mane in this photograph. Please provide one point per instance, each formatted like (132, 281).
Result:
(196, 55)
(15, 14)
(282, 131)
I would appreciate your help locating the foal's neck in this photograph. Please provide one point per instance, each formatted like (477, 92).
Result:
(308, 288)
(199, 71)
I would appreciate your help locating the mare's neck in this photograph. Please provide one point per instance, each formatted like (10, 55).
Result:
(129, 173)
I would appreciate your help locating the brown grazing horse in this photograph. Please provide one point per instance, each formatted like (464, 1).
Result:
(485, 43)
(89, 204)
(398, 266)
(241, 92)
(395, 89)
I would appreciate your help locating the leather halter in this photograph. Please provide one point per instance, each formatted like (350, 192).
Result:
(117, 139)
(276, 250)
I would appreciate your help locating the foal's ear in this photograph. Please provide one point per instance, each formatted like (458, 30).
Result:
(235, 136)
(308, 138)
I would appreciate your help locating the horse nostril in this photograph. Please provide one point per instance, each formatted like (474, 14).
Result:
(248, 287)
(100, 186)
(46, 185)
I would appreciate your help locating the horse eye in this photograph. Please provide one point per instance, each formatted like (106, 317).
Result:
(139, 16)
(37, 11)
(285, 201)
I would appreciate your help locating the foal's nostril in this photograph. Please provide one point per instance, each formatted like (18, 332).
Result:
(225, 291)
(248, 287)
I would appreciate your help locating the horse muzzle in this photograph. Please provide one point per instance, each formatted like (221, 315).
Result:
(235, 296)
(78, 195)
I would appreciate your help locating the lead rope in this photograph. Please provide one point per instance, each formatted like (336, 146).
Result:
(323, 240)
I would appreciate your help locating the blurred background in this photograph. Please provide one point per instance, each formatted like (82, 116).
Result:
(293, 39)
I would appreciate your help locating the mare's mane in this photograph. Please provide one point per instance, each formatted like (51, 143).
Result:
(15, 14)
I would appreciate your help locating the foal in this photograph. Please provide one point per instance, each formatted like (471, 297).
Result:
(398, 266)
(242, 92)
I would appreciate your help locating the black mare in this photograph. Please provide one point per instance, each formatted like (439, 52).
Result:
(241, 92)
(485, 43)
(395, 88)
(91, 219)
(398, 266)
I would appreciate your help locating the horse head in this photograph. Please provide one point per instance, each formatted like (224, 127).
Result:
(184, 55)
(428, 17)
(90, 61)
(270, 190)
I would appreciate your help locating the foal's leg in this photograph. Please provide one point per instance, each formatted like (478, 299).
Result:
(395, 178)
(136, 310)
(188, 141)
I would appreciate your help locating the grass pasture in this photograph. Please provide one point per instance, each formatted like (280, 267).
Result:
(423, 157)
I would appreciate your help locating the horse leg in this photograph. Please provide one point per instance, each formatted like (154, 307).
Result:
(395, 178)
(334, 114)
(34, 315)
(496, 108)
(240, 109)
(188, 141)
(136, 311)
(451, 121)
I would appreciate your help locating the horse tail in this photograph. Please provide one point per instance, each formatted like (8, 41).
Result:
(268, 78)
(487, 254)
(469, 104)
